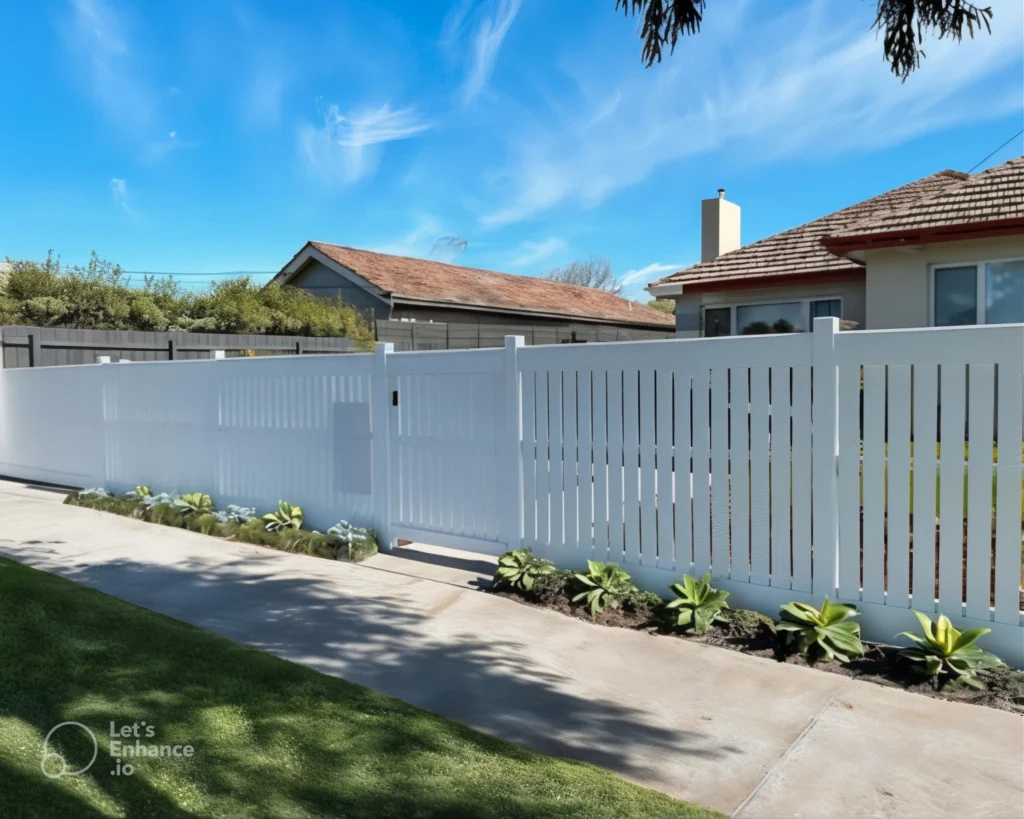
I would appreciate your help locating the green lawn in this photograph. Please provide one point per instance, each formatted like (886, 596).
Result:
(271, 738)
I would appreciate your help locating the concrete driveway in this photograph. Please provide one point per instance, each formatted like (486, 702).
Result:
(742, 735)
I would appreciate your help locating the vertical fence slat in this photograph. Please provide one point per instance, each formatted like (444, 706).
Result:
(760, 491)
(1008, 494)
(873, 486)
(529, 459)
(681, 471)
(979, 490)
(739, 470)
(616, 545)
(720, 472)
(925, 431)
(701, 474)
(666, 552)
(648, 488)
(849, 482)
(570, 477)
(951, 487)
(631, 460)
(601, 513)
(801, 443)
(781, 567)
(543, 461)
(585, 467)
(898, 488)
(557, 456)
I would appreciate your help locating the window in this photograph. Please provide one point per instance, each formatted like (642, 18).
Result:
(823, 308)
(759, 319)
(717, 322)
(989, 293)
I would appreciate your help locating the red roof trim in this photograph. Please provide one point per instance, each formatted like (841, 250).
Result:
(755, 282)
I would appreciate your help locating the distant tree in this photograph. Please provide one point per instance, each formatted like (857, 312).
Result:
(664, 305)
(596, 273)
(904, 24)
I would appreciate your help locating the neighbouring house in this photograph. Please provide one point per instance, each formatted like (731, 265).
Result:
(947, 249)
(464, 306)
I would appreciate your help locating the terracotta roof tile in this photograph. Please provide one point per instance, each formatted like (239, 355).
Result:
(800, 250)
(405, 277)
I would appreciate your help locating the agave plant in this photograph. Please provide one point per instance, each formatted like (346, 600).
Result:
(138, 493)
(345, 531)
(194, 503)
(827, 632)
(520, 569)
(98, 492)
(286, 517)
(163, 499)
(607, 585)
(235, 514)
(944, 649)
(698, 604)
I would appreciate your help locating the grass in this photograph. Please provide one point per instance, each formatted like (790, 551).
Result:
(271, 738)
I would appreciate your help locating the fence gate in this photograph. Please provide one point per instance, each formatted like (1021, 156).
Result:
(447, 413)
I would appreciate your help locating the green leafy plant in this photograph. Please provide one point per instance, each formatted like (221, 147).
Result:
(827, 632)
(194, 503)
(945, 649)
(520, 569)
(286, 517)
(138, 493)
(697, 603)
(606, 586)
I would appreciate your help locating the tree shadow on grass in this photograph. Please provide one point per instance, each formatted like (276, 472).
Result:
(360, 631)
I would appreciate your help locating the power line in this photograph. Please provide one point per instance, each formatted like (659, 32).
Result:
(997, 150)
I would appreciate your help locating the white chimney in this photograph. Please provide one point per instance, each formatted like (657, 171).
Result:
(719, 227)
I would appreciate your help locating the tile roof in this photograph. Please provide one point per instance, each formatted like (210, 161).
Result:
(800, 249)
(995, 195)
(422, 280)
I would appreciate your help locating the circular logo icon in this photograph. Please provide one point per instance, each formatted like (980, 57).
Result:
(49, 755)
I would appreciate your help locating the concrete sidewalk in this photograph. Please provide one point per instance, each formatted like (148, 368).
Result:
(739, 734)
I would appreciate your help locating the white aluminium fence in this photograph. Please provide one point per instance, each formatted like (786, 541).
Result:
(877, 467)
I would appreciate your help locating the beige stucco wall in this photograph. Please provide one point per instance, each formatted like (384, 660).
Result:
(897, 289)
(689, 304)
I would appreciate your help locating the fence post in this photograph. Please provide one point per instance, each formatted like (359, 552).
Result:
(824, 449)
(380, 446)
(171, 349)
(512, 491)
(35, 350)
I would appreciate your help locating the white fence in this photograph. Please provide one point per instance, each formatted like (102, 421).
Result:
(790, 466)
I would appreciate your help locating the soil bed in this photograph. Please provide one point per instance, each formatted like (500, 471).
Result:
(754, 633)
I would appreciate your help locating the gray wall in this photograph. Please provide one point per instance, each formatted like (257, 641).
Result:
(424, 335)
(320, 280)
(54, 346)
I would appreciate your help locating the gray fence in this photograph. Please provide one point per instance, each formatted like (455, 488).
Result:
(424, 335)
(51, 346)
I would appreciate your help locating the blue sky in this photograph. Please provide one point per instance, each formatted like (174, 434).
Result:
(201, 137)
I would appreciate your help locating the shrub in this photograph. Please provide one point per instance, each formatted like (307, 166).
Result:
(286, 517)
(235, 514)
(104, 502)
(205, 524)
(138, 493)
(944, 649)
(195, 503)
(520, 569)
(606, 585)
(827, 632)
(697, 603)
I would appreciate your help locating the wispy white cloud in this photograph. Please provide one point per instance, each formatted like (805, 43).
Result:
(159, 148)
(119, 193)
(806, 83)
(97, 38)
(417, 242)
(346, 149)
(634, 281)
(531, 253)
(478, 31)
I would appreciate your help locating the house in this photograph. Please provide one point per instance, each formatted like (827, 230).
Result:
(946, 249)
(454, 306)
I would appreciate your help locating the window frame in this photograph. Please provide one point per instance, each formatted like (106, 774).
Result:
(980, 302)
(803, 301)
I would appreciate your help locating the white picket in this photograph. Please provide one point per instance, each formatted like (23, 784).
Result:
(898, 488)
(600, 456)
(682, 471)
(616, 542)
(666, 550)
(760, 491)
(926, 398)
(979, 490)
(849, 481)
(631, 458)
(951, 486)
(781, 565)
(570, 478)
(648, 487)
(739, 470)
(873, 487)
(801, 483)
(701, 472)
(1008, 493)
(720, 472)
(585, 465)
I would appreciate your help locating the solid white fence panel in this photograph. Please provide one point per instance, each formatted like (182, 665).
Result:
(1008, 494)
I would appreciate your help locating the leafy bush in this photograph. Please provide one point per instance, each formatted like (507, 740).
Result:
(286, 517)
(194, 503)
(103, 501)
(697, 603)
(138, 493)
(205, 524)
(235, 514)
(944, 649)
(606, 585)
(520, 569)
(827, 632)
